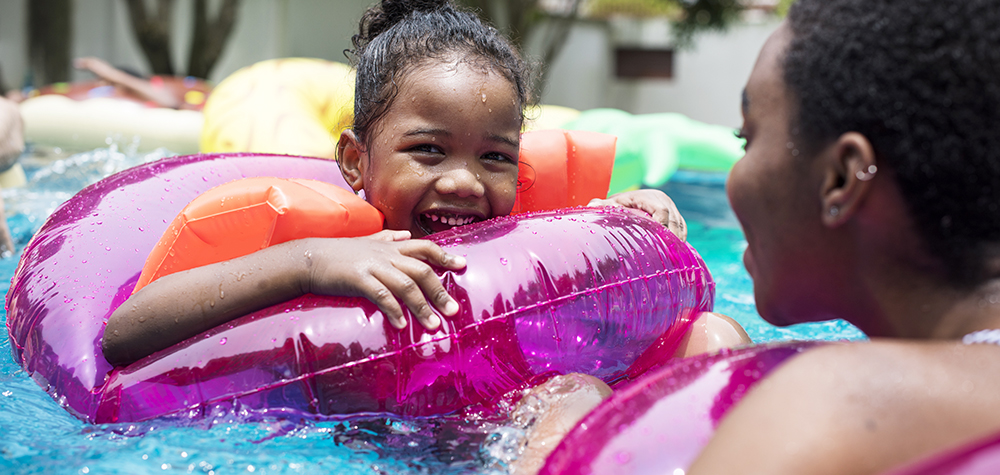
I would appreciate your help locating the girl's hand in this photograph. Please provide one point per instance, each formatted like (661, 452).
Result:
(654, 203)
(381, 268)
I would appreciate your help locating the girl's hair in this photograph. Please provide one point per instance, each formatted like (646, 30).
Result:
(396, 36)
(921, 80)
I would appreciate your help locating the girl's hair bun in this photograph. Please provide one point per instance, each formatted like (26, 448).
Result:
(382, 17)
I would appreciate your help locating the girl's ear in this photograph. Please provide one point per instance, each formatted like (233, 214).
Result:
(850, 172)
(349, 155)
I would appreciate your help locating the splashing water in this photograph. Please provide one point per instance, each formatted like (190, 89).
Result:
(41, 437)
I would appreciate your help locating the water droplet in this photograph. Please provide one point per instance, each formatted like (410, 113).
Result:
(503, 261)
(223, 340)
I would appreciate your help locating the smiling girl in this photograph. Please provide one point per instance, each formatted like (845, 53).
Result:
(434, 145)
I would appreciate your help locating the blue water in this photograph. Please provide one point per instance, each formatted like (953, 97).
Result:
(40, 437)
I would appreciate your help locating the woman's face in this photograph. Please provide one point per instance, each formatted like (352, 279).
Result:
(445, 153)
(775, 192)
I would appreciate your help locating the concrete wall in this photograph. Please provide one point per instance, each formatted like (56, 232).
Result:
(265, 29)
(707, 79)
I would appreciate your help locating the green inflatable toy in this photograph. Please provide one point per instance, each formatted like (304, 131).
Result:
(652, 147)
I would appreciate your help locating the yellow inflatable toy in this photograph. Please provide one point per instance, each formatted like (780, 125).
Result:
(294, 106)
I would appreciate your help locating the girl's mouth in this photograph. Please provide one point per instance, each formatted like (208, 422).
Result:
(433, 222)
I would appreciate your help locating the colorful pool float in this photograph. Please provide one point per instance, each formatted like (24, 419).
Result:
(599, 291)
(85, 115)
(295, 106)
(662, 421)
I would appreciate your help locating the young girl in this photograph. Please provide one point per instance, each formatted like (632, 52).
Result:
(438, 113)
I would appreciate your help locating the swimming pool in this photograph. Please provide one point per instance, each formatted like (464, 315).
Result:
(40, 437)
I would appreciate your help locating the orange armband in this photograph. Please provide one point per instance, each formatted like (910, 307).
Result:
(244, 216)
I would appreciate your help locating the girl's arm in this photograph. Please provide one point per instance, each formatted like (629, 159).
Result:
(381, 268)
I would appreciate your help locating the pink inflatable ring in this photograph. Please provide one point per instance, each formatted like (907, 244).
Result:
(599, 291)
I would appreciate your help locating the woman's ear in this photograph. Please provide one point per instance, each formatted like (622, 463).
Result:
(349, 156)
(850, 171)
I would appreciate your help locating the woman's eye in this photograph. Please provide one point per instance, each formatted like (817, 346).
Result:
(741, 134)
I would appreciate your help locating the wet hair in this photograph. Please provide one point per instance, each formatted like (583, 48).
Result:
(397, 36)
(921, 80)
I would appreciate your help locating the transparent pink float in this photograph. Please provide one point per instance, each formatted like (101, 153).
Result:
(599, 291)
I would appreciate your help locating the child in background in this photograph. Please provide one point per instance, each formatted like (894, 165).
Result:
(11, 147)
(438, 112)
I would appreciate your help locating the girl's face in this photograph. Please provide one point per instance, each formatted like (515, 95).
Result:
(445, 153)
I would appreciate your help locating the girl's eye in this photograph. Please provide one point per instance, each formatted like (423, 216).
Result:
(427, 148)
(498, 157)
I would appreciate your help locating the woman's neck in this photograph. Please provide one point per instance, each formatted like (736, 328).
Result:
(930, 308)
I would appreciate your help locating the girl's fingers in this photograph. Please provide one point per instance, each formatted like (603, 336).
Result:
(432, 254)
(376, 291)
(409, 283)
(390, 235)
(429, 289)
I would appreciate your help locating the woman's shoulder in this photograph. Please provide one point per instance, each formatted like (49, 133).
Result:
(862, 407)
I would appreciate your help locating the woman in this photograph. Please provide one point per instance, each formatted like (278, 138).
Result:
(870, 192)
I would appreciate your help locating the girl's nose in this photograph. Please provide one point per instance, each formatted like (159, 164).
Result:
(462, 182)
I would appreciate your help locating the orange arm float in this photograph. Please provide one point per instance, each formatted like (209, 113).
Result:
(563, 168)
(244, 216)
(558, 169)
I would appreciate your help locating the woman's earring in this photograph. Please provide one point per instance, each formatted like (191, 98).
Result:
(834, 211)
(865, 175)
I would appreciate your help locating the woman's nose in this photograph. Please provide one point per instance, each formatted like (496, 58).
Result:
(461, 181)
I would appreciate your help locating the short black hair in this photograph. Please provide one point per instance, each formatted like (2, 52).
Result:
(921, 80)
(396, 35)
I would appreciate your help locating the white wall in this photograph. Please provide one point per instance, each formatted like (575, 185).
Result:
(708, 78)
(706, 86)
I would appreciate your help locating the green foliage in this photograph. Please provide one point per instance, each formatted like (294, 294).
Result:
(634, 8)
(702, 15)
(782, 9)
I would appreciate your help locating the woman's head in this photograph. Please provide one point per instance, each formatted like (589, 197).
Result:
(886, 106)
(920, 79)
(438, 113)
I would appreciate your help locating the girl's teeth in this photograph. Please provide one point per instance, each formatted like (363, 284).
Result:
(451, 221)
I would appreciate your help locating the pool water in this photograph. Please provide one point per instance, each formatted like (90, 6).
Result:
(40, 437)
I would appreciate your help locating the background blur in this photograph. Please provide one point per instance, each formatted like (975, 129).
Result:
(609, 53)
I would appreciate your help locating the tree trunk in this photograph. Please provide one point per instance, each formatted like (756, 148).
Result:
(153, 34)
(50, 34)
(210, 36)
(555, 38)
